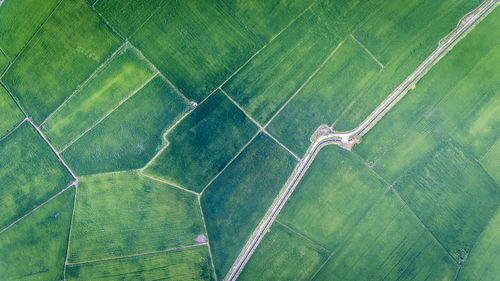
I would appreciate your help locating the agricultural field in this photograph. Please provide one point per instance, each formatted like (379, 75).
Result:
(35, 247)
(156, 104)
(71, 43)
(123, 214)
(284, 255)
(199, 147)
(10, 114)
(188, 264)
(224, 140)
(236, 200)
(30, 173)
(195, 44)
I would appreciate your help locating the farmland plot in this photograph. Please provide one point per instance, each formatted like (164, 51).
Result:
(398, 39)
(325, 97)
(452, 195)
(35, 247)
(120, 214)
(30, 173)
(63, 53)
(187, 264)
(490, 161)
(10, 114)
(16, 30)
(196, 44)
(284, 255)
(280, 69)
(237, 200)
(332, 197)
(389, 244)
(139, 122)
(203, 143)
(124, 74)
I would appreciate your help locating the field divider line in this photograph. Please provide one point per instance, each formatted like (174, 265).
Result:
(36, 31)
(70, 228)
(105, 21)
(5, 54)
(108, 113)
(138, 255)
(230, 161)
(53, 150)
(305, 83)
(86, 81)
(14, 98)
(13, 129)
(260, 126)
(148, 18)
(168, 183)
(37, 207)
(108, 173)
(208, 239)
(303, 236)
(426, 228)
(368, 51)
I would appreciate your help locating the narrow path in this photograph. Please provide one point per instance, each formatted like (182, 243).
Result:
(325, 136)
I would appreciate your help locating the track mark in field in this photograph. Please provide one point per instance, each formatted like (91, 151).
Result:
(368, 51)
(13, 129)
(208, 240)
(169, 183)
(301, 235)
(139, 255)
(37, 207)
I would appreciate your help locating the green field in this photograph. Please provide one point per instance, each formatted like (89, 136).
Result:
(4, 62)
(196, 44)
(30, 173)
(490, 161)
(237, 200)
(188, 264)
(122, 214)
(124, 74)
(10, 114)
(203, 143)
(284, 255)
(401, 34)
(332, 197)
(63, 53)
(452, 195)
(35, 247)
(482, 263)
(389, 244)
(277, 72)
(128, 15)
(16, 30)
(139, 122)
(266, 18)
(325, 97)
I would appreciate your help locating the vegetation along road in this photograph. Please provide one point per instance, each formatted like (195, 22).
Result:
(325, 135)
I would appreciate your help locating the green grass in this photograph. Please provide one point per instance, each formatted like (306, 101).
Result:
(65, 51)
(203, 143)
(196, 44)
(237, 200)
(188, 264)
(401, 37)
(124, 74)
(332, 197)
(490, 161)
(283, 255)
(438, 82)
(35, 247)
(389, 244)
(266, 18)
(277, 72)
(10, 114)
(126, 16)
(131, 135)
(30, 173)
(452, 195)
(123, 214)
(482, 263)
(16, 30)
(325, 97)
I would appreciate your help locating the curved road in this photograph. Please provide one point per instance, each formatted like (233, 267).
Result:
(343, 138)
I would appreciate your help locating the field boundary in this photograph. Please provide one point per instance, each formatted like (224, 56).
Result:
(303, 236)
(368, 51)
(69, 231)
(168, 183)
(13, 129)
(208, 238)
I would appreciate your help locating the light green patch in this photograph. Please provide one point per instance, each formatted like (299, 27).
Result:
(124, 214)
